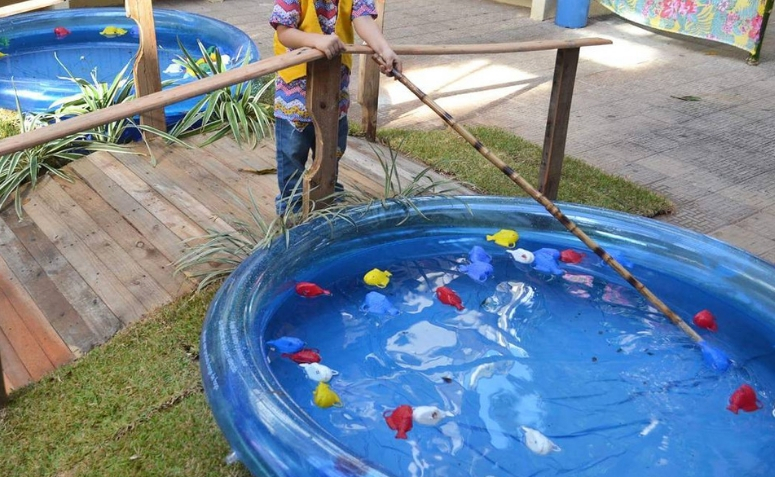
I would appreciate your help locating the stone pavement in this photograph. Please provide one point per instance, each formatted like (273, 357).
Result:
(715, 158)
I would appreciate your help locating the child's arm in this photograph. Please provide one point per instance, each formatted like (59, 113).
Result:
(368, 30)
(331, 45)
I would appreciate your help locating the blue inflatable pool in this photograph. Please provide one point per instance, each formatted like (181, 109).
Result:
(102, 40)
(537, 373)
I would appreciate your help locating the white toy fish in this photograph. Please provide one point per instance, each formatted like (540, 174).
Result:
(318, 372)
(174, 69)
(539, 443)
(521, 255)
(429, 415)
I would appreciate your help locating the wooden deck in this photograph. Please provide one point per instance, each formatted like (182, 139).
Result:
(94, 255)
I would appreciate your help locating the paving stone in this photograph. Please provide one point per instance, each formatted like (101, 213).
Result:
(666, 165)
(744, 238)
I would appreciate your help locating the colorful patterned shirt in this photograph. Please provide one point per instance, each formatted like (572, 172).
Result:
(290, 98)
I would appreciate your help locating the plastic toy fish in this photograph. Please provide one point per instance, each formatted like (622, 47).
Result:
(743, 398)
(477, 254)
(715, 358)
(303, 356)
(539, 443)
(376, 302)
(113, 31)
(621, 258)
(571, 256)
(2, 55)
(449, 297)
(521, 255)
(287, 344)
(310, 290)
(429, 415)
(546, 261)
(325, 397)
(377, 278)
(705, 319)
(174, 69)
(318, 372)
(479, 271)
(400, 420)
(504, 238)
(61, 32)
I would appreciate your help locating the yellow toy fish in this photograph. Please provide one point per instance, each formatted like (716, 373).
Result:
(377, 278)
(504, 238)
(2, 55)
(113, 31)
(324, 397)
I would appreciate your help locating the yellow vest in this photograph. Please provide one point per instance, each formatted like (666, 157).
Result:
(310, 24)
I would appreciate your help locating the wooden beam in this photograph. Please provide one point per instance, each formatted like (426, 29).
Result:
(27, 6)
(368, 85)
(146, 69)
(557, 122)
(323, 87)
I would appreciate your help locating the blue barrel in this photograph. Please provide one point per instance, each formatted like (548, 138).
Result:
(572, 13)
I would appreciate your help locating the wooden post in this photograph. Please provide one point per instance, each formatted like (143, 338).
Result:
(3, 395)
(557, 122)
(368, 85)
(146, 70)
(323, 83)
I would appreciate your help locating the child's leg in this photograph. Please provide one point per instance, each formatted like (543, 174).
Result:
(341, 146)
(293, 147)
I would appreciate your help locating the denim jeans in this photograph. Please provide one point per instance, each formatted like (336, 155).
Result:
(293, 148)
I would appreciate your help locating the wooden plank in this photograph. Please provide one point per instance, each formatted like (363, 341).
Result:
(557, 122)
(16, 375)
(67, 322)
(155, 203)
(74, 221)
(323, 79)
(368, 84)
(142, 251)
(154, 231)
(146, 68)
(27, 6)
(97, 316)
(55, 349)
(22, 341)
(121, 301)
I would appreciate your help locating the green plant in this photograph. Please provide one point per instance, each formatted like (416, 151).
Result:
(240, 110)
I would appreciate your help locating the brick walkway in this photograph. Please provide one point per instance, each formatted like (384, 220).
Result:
(713, 157)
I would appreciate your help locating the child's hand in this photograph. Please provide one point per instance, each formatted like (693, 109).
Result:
(391, 61)
(331, 45)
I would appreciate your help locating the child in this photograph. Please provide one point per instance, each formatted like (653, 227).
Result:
(326, 25)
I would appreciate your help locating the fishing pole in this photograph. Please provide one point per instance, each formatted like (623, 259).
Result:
(714, 357)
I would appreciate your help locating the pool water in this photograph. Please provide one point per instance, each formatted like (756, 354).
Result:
(582, 358)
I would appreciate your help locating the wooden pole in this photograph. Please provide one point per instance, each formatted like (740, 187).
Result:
(323, 85)
(541, 199)
(557, 122)
(368, 85)
(146, 70)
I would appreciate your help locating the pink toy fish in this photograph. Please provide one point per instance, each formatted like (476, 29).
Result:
(449, 297)
(310, 290)
(61, 32)
(400, 420)
(305, 356)
(571, 256)
(743, 398)
(705, 319)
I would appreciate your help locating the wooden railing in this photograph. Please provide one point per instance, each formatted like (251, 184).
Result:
(28, 6)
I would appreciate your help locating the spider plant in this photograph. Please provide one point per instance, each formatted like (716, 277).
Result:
(216, 254)
(240, 110)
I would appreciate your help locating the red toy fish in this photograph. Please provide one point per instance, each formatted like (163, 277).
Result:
(571, 256)
(449, 297)
(400, 420)
(304, 356)
(705, 319)
(61, 32)
(743, 398)
(310, 290)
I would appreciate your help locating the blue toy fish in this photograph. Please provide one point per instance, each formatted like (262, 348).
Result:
(287, 344)
(376, 302)
(477, 254)
(479, 271)
(714, 357)
(546, 261)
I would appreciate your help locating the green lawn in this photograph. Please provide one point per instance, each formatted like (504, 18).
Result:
(134, 406)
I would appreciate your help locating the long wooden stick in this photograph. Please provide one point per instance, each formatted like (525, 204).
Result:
(541, 199)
